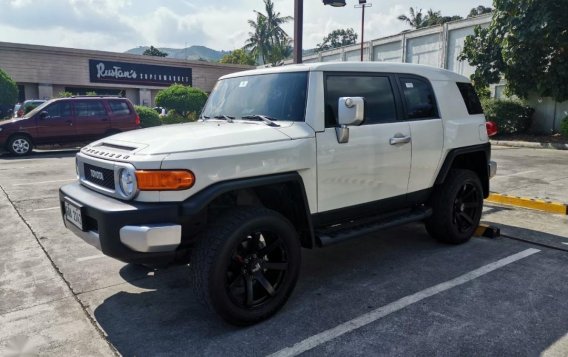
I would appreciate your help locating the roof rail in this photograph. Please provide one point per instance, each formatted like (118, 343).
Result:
(96, 96)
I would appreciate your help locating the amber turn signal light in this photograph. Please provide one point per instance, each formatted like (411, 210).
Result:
(164, 180)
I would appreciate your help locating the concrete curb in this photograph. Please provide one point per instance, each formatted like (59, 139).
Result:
(528, 144)
(530, 203)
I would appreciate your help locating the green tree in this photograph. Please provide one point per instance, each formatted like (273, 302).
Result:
(153, 51)
(480, 10)
(415, 20)
(527, 44)
(8, 89)
(267, 40)
(431, 18)
(182, 99)
(337, 38)
(239, 56)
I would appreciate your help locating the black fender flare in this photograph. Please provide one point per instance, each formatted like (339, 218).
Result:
(197, 203)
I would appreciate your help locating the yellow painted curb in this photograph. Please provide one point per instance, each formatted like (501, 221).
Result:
(530, 203)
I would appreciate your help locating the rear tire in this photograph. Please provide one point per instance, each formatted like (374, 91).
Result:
(457, 207)
(20, 145)
(246, 265)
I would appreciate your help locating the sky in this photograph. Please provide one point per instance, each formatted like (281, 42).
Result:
(119, 25)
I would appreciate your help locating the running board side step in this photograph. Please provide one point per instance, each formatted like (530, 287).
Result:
(338, 234)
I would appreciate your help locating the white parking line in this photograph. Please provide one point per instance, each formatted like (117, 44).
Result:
(363, 320)
(79, 260)
(41, 182)
(46, 209)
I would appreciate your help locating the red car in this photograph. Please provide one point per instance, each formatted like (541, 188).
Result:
(68, 120)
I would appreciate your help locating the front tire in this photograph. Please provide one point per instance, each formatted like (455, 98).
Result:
(246, 266)
(20, 145)
(457, 207)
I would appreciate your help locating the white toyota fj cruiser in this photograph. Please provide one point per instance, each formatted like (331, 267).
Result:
(282, 158)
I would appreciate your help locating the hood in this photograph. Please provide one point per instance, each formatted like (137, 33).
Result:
(197, 136)
(10, 121)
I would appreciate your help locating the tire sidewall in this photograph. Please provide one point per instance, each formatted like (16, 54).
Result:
(221, 301)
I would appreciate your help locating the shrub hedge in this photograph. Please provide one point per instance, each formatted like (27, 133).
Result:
(564, 127)
(148, 116)
(182, 99)
(511, 116)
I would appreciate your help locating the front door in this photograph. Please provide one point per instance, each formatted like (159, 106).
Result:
(57, 125)
(370, 166)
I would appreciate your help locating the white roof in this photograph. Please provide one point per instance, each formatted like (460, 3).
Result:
(432, 73)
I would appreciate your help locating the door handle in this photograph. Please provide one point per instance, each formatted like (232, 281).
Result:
(70, 122)
(399, 140)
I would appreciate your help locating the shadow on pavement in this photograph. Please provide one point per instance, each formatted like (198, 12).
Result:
(336, 284)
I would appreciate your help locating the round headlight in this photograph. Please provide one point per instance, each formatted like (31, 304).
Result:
(127, 181)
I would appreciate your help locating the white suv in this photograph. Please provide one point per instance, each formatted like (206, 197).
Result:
(283, 158)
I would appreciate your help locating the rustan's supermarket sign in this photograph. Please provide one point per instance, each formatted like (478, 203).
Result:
(134, 73)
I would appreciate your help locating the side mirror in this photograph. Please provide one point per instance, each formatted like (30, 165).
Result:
(43, 114)
(350, 111)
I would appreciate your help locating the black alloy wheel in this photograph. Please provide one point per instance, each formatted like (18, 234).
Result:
(466, 207)
(245, 266)
(258, 267)
(457, 205)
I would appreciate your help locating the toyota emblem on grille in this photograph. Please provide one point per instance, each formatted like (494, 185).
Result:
(97, 175)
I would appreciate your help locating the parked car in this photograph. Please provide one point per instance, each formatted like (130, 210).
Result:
(68, 120)
(28, 106)
(283, 158)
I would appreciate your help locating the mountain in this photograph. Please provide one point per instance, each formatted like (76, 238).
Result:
(191, 53)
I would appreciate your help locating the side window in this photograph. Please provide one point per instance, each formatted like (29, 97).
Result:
(59, 110)
(90, 108)
(118, 107)
(377, 91)
(470, 98)
(419, 99)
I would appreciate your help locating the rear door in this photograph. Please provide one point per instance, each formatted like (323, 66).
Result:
(92, 119)
(422, 114)
(57, 126)
(123, 116)
(370, 166)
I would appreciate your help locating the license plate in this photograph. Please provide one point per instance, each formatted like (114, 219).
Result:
(73, 215)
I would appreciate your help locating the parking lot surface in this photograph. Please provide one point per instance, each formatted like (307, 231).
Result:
(394, 293)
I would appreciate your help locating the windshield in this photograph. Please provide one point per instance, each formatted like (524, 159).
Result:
(279, 96)
(38, 109)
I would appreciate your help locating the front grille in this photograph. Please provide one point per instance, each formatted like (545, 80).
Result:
(99, 176)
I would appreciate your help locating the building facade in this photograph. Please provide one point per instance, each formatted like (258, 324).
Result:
(43, 72)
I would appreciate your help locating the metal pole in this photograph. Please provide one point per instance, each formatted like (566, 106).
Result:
(362, 29)
(298, 29)
(363, 4)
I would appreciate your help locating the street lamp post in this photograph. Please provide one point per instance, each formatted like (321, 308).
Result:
(299, 24)
(363, 4)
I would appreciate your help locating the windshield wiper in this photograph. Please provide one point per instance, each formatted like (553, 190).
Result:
(228, 118)
(268, 120)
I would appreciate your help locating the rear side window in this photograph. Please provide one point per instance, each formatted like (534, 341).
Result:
(377, 91)
(470, 98)
(90, 108)
(419, 99)
(118, 107)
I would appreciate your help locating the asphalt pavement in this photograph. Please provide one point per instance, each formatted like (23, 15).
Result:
(396, 293)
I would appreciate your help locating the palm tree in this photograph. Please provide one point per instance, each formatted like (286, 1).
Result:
(267, 37)
(258, 42)
(415, 20)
